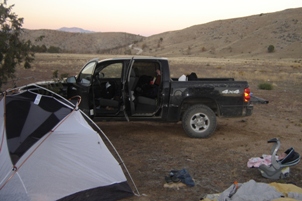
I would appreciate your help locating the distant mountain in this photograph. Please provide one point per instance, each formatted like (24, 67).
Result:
(74, 30)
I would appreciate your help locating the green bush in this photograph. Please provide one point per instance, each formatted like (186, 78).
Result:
(53, 49)
(270, 49)
(265, 86)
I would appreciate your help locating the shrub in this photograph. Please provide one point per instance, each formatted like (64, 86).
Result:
(270, 49)
(64, 75)
(53, 49)
(55, 74)
(14, 51)
(127, 52)
(144, 46)
(265, 86)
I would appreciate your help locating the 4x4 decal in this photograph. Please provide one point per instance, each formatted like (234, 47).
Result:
(227, 91)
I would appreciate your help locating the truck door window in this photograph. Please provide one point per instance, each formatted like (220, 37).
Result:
(146, 67)
(86, 73)
(112, 70)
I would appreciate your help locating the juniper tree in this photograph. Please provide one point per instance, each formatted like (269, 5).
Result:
(13, 50)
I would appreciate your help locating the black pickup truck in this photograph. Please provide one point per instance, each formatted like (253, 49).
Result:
(123, 89)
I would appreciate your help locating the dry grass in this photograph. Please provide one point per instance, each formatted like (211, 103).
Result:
(276, 72)
(150, 149)
(240, 69)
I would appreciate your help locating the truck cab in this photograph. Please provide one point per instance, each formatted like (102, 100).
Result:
(119, 88)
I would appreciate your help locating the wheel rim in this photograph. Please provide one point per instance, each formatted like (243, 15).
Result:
(199, 122)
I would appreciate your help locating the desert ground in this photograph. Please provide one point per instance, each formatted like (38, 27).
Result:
(150, 150)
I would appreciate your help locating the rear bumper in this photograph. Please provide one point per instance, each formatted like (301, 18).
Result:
(236, 111)
(248, 110)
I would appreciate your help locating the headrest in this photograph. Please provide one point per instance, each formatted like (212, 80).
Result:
(99, 75)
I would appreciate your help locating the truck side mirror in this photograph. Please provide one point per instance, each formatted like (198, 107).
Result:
(71, 80)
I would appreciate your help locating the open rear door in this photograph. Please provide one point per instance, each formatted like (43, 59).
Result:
(128, 97)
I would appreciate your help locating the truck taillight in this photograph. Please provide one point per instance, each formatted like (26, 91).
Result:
(247, 95)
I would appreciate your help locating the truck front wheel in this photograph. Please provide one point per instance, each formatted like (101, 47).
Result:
(199, 121)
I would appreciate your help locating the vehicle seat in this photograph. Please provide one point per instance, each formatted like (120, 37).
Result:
(133, 80)
(142, 85)
(105, 93)
(192, 77)
(132, 83)
(143, 90)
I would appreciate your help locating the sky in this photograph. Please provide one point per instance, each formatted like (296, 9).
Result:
(141, 17)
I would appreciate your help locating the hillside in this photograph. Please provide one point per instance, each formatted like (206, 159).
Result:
(239, 37)
(81, 42)
(246, 37)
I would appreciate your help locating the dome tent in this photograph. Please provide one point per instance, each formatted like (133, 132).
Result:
(48, 151)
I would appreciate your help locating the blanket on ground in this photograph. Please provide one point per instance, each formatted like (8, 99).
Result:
(257, 191)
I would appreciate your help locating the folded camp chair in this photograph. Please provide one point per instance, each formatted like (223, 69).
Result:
(279, 169)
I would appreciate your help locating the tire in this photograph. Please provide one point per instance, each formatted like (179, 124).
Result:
(199, 121)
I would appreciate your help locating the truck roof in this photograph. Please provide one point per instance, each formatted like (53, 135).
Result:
(135, 57)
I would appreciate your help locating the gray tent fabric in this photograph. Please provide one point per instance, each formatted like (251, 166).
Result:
(59, 155)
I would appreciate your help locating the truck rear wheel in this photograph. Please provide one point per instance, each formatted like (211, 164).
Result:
(199, 121)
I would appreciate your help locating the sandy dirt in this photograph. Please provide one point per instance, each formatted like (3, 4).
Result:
(151, 150)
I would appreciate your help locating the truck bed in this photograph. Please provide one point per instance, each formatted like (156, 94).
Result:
(207, 79)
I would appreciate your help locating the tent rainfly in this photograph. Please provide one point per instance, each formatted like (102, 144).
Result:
(48, 151)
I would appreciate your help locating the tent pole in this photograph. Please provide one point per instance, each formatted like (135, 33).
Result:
(120, 158)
